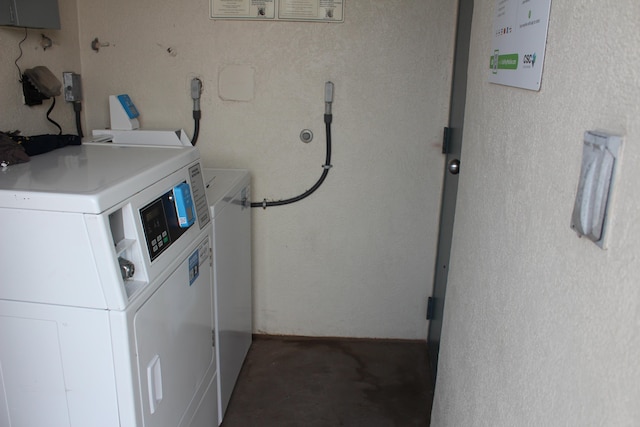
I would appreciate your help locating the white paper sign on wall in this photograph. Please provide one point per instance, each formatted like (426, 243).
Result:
(279, 10)
(519, 41)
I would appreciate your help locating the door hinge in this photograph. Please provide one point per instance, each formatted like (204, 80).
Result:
(430, 304)
(446, 140)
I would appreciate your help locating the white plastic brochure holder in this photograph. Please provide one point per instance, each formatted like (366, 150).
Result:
(124, 114)
(591, 211)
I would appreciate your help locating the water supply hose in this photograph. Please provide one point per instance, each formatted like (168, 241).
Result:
(328, 118)
(77, 108)
(196, 90)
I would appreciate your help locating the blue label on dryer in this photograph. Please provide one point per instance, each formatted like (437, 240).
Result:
(194, 267)
(184, 205)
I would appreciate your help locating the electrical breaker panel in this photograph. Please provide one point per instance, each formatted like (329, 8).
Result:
(30, 14)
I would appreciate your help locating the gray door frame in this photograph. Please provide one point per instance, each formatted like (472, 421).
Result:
(452, 147)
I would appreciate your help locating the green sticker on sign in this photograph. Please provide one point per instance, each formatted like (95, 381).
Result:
(504, 62)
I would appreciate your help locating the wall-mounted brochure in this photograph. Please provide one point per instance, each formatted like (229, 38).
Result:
(279, 10)
(519, 41)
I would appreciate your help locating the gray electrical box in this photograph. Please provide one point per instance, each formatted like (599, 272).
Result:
(30, 13)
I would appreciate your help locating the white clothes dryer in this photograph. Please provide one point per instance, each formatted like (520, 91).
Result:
(106, 302)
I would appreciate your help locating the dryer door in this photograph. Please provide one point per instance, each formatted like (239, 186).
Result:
(173, 333)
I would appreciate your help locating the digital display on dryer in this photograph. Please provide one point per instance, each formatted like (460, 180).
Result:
(156, 229)
(160, 224)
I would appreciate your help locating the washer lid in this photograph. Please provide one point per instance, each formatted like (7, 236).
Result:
(222, 185)
(88, 178)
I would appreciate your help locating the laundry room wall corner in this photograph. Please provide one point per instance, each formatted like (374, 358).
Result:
(62, 56)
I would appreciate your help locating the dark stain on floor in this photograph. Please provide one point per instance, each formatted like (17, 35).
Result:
(289, 382)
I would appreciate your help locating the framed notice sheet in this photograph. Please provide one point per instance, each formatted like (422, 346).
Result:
(279, 10)
(243, 9)
(519, 41)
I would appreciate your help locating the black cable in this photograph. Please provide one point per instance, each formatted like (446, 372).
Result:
(327, 165)
(53, 104)
(26, 33)
(196, 91)
(77, 107)
(196, 126)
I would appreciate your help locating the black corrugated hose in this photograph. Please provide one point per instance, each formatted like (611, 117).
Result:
(196, 126)
(327, 165)
(77, 108)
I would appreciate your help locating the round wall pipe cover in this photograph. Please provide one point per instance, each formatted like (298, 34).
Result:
(306, 136)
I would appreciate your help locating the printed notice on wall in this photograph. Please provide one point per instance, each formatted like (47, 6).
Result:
(519, 41)
(243, 9)
(286, 10)
(316, 10)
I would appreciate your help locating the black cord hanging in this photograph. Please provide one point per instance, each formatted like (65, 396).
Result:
(53, 104)
(26, 33)
(77, 108)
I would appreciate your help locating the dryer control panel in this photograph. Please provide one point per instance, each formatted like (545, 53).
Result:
(163, 220)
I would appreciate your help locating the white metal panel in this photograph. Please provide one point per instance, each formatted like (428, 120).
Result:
(89, 178)
(222, 184)
(33, 372)
(227, 191)
(57, 366)
(47, 258)
(126, 367)
(232, 252)
(174, 342)
(106, 260)
(207, 411)
(130, 378)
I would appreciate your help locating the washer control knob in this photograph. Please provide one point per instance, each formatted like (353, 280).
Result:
(127, 268)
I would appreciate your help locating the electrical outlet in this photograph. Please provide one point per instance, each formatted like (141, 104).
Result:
(72, 86)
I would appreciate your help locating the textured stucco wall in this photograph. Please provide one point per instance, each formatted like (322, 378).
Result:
(64, 55)
(356, 258)
(541, 327)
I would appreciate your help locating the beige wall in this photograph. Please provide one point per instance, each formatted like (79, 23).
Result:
(356, 258)
(541, 327)
(62, 56)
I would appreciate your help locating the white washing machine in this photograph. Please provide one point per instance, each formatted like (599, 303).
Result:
(228, 192)
(106, 302)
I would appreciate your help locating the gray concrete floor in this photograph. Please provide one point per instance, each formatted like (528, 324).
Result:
(310, 382)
